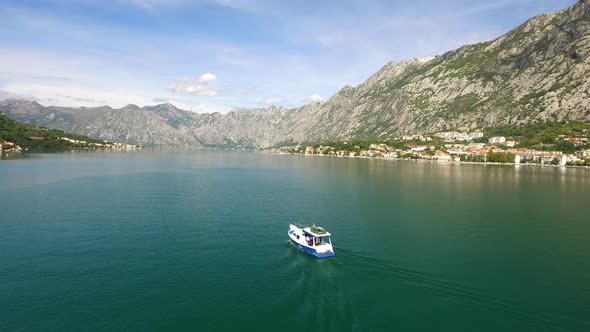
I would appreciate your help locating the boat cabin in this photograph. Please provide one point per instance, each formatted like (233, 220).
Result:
(316, 236)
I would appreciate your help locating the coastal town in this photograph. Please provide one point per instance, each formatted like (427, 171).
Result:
(11, 147)
(103, 145)
(456, 147)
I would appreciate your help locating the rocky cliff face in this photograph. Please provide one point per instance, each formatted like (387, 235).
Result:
(538, 72)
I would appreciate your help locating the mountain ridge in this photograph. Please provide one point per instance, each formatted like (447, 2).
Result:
(534, 73)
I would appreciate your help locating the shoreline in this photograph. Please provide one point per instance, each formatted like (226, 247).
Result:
(436, 161)
(33, 151)
(9, 154)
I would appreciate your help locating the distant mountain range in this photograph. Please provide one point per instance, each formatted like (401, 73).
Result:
(538, 72)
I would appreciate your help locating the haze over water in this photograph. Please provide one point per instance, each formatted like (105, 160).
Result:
(198, 241)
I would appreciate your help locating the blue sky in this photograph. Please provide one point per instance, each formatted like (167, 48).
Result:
(218, 55)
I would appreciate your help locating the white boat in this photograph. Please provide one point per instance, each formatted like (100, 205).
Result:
(314, 240)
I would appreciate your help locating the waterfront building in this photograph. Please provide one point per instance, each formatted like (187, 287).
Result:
(497, 139)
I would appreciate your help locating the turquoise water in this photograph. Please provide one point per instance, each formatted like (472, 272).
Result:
(197, 241)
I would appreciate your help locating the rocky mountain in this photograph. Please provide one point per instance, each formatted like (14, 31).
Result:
(162, 125)
(535, 73)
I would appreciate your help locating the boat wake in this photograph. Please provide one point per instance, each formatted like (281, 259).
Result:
(334, 289)
(445, 289)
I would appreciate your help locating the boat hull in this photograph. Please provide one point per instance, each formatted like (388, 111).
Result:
(312, 251)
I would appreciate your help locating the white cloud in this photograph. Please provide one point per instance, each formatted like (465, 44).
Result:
(315, 98)
(195, 90)
(206, 78)
(269, 101)
(200, 88)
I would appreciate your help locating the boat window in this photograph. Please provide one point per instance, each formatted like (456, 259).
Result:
(322, 240)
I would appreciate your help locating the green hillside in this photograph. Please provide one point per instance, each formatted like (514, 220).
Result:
(33, 137)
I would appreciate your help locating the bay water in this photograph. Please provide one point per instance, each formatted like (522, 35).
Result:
(182, 240)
